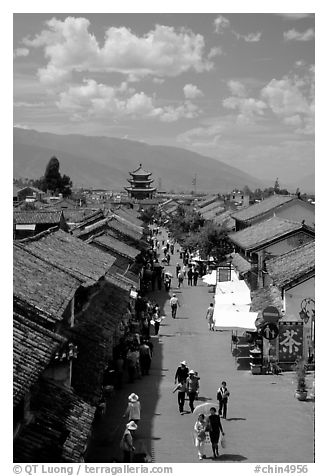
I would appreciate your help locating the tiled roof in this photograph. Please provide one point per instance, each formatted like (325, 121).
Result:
(59, 430)
(111, 243)
(83, 261)
(33, 348)
(37, 216)
(93, 331)
(206, 201)
(264, 232)
(264, 297)
(37, 190)
(129, 215)
(211, 214)
(240, 263)
(140, 171)
(225, 219)
(212, 206)
(90, 218)
(40, 283)
(123, 228)
(293, 265)
(132, 226)
(92, 229)
(263, 207)
(74, 216)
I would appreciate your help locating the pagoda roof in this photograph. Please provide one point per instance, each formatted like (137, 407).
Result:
(140, 171)
(138, 189)
(140, 180)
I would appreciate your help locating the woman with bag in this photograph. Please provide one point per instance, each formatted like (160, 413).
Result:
(200, 430)
(215, 428)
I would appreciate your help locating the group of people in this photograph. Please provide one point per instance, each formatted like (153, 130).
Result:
(187, 383)
(212, 425)
(190, 271)
(133, 413)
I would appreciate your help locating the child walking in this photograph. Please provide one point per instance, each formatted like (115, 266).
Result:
(222, 395)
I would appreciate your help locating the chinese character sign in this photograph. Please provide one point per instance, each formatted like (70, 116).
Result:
(290, 341)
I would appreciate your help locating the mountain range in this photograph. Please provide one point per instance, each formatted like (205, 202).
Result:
(105, 162)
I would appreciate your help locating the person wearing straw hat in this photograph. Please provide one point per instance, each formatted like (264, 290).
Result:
(192, 384)
(127, 442)
(182, 372)
(133, 409)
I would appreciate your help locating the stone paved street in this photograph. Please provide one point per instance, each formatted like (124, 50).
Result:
(265, 423)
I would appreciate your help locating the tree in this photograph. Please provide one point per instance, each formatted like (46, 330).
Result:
(276, 187)
(53, 181)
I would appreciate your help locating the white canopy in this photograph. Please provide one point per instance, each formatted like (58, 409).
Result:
(210, 278)
(235, 319)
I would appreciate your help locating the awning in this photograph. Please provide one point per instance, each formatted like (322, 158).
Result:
(210, 278)
(235, 320)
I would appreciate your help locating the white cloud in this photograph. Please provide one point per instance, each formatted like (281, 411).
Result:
(246, 107)
(292, 99)
(191, 91)
(237, 88)
(92, 99)
(216, 51)
(163, 52)
(250, 38)
(293, 35)
(220, 23)
(21, 52)
(159, 80)
(187, 110)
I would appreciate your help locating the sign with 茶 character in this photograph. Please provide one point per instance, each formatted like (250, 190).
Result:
(290, 341)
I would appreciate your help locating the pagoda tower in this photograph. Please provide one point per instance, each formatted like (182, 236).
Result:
(140, 184)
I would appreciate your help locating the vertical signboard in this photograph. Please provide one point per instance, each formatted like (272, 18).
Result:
(290, 341)
(224, 274)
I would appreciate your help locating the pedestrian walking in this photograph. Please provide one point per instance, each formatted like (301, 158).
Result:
(168, 257)
(180, 279)
(200, 437)
(133, 409)
(192, 387)
(157, 322)
(132, 359)
(215, 428)
(177, 269)
(195, 277)
(181, 388)
(182, 372)
(172, 248)
(190, 275)
(174, 303)
(210, 317)
(127, 442)
(184, 270)
(145, 358)
(222, 395)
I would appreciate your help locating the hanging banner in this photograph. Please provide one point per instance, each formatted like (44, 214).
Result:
(290, 341)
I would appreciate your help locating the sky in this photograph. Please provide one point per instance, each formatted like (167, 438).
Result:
(238, 87)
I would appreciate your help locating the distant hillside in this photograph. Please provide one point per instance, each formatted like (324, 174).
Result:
(104, 162)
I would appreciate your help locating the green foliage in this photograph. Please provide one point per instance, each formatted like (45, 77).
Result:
(148, 215)
(53, 181)
(190, 229)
